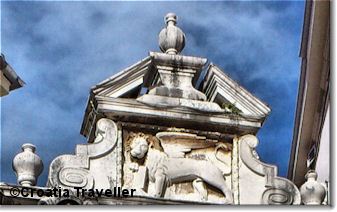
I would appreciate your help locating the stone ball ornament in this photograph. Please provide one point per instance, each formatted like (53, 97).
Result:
(312, 192)
(171, 38)
(27, 165)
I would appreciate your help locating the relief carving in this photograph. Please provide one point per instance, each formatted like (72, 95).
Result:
(68, 171)
(278, 190)
(166, 163)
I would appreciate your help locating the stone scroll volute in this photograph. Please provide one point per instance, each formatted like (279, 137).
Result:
(69, 171)
(276, 190)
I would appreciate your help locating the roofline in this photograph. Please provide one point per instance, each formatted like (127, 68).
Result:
(300, 89)
(9, 73)
(305, 28)
(261, 102)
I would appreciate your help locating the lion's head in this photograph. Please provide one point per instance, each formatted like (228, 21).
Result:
(149, 149)
(139, 147)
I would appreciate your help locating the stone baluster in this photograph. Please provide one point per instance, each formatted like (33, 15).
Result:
(312, 192)
(27, 165)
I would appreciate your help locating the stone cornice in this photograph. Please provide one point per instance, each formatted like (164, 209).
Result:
(178, 61)
(218, 85)
(126, 110)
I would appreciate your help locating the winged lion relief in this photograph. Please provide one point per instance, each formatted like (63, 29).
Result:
(168, 160)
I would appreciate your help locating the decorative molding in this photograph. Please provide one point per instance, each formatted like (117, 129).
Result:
(278, 190)
(125, 109)
(218, 85)
(119, 156)
(178, 61)
(124, 81)
(75, 177)
(68, 171)
(235, 171)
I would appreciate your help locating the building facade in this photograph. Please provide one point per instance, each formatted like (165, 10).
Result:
(156, 136)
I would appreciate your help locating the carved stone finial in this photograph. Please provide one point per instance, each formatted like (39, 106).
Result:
(312, 192)
(171, 38)
(171, 17)
(178, 74)
(27, 165)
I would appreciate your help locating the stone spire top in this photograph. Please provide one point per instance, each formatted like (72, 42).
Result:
(171, 38)
(177, 73)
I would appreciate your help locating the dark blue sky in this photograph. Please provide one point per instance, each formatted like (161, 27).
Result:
(61, 49)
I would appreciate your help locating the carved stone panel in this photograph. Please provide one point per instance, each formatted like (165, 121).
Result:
(177, 166)
(260, 179)
(173, 165)
(80, 170)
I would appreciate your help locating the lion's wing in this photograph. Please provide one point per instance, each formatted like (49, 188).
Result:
(177, 144)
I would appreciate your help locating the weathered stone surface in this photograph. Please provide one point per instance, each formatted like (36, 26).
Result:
(171, 38)
(261, 179)
(27, 165)
(312, 192)
(163, 159)
(93, 165)
(220, 88)
(181, 175)
(176, 74)
(167, 102)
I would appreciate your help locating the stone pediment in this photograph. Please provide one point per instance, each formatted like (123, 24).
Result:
(153, 132)
(136, 79)
(142, 87)
(220, 88)
(126, 83)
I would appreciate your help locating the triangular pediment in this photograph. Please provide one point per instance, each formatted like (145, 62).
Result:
(220, 88)
(170, 88)
(131, 82)
(126, 87)
(126, 83)
(135, 81)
